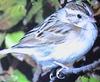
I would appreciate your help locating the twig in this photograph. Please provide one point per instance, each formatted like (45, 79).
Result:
(81, 69)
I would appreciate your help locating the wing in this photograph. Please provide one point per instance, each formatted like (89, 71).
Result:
(52, 30)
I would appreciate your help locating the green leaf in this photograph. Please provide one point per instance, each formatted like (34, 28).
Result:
(13, 38)
(84, 79)
(16, 13)
(19, 76)
(12, 11)
(36, 7)
(88, 79)
(92, 79)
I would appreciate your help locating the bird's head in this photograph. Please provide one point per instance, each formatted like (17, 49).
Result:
(76, 14)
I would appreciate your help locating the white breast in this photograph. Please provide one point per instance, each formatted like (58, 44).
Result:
(77, 47)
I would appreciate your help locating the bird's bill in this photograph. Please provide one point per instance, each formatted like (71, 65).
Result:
(91, 19)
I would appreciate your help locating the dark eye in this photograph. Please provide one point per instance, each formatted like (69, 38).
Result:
(79, 16)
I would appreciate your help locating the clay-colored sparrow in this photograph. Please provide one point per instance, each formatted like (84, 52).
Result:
(64, 37)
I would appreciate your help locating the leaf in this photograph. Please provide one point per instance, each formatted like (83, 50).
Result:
(36, 7)
(16, 76)
(87, 79)
(12, 11)
(84, 79)
(12, 39)
(94, 80)
(20, 77)
(16, 13)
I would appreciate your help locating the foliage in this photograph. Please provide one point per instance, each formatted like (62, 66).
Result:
(17, 76)
(12, 39)
(12, 11)
(87, 79)
(37, 9)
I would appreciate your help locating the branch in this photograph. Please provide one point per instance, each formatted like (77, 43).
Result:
(65, 70)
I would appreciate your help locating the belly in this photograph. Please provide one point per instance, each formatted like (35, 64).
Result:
(65, 53)
(77, 47)
(72, 50)
(69, 53)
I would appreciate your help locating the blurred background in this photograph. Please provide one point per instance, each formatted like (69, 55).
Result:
(18, 17)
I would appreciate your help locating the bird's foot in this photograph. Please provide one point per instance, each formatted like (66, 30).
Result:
(37, 74)
(56, 74)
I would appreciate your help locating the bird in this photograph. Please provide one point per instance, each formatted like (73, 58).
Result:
(63, 37)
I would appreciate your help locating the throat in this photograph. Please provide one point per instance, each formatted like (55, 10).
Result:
(90, 33)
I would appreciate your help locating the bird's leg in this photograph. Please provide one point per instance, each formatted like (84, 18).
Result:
(37, 73)
(67, 66)
(38, 68)
(52, 78)
(29, 60)
(59, 73)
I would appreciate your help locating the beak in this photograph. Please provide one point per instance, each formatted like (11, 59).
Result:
(91, 19)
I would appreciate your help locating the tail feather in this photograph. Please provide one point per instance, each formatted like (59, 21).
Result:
(6, 51)
(16, 51)
(26, 51)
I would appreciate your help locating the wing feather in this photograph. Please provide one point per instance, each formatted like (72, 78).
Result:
(51, 30)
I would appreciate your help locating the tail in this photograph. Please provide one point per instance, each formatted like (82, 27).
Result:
(26, 51)
(15, 51)
(4, 52)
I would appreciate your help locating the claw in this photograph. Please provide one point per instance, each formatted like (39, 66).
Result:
(59, 74)
(51, 76)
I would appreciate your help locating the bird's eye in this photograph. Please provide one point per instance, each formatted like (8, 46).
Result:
(79, 16)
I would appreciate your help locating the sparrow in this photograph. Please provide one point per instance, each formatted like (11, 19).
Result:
(64, 37)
